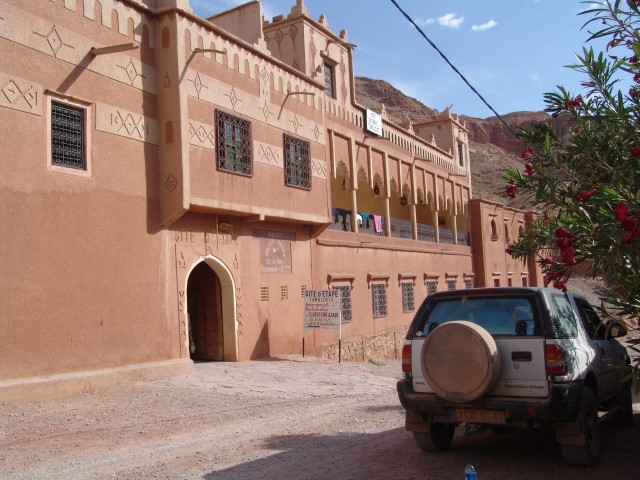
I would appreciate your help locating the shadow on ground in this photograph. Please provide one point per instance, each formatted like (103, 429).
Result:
(392, 454)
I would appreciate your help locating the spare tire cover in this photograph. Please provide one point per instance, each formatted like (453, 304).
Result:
(460, 361)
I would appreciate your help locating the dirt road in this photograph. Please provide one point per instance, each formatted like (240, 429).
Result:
(283, 418)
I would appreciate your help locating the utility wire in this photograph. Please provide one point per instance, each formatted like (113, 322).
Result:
(452, 66)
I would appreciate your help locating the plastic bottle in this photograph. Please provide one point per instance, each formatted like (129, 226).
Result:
(470, 472)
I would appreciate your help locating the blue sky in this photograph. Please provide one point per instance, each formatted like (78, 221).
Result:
(511, 51)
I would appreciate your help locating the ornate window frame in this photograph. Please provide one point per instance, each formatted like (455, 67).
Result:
(61, 108)
(234, 151)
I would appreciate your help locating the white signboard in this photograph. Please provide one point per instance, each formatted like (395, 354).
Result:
(322, 310)
(374, 122)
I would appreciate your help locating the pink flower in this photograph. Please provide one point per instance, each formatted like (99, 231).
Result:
(561, 232)
(527, 152)
(553, 275)
(528, 168)
(508, 251)
(635, 151)
(622, 211)
(548, 261)
(567, 256)
(564, 243)
(546, 218)
(511, 190)
(629, 224)
(576, 102)
(587, 195)
(633, 59)
(561, 285)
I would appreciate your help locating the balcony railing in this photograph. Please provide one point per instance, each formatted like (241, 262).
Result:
(401, 228)
(426, 233)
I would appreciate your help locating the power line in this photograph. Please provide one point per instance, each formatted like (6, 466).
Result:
(452, 66)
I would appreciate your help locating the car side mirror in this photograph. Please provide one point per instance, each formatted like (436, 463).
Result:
(616, 330)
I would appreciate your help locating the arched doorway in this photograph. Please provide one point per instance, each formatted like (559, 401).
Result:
(211, 310)
(204, 304)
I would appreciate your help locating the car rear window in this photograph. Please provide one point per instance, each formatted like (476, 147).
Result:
(499, 315)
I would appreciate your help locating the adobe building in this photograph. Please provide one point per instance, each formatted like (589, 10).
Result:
(172, 185)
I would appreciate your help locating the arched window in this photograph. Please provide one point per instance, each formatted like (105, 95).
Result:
(494, 231)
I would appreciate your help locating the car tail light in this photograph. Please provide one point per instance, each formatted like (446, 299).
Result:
(556, 360)
(406, 359)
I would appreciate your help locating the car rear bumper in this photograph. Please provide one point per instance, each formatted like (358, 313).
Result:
(561, 404)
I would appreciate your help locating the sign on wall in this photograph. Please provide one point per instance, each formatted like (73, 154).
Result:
(373, 122)
(275, 251)
(322, 310)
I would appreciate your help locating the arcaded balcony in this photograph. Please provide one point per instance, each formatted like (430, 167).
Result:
(367, 210)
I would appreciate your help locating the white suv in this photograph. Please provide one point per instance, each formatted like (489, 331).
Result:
(513, 358)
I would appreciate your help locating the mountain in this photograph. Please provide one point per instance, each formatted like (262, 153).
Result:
(493, 147)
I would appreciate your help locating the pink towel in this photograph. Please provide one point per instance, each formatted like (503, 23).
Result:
(377, 221)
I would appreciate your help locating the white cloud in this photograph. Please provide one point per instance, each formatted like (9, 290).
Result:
(422, 22)
(447, 20)
(450, 20)
(484, 26)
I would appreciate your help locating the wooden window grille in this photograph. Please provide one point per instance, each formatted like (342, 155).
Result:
(328, 80)
(234, 144)
(67, 136)
(345, 303)
(297, 162)
(408, 298)
(379, 291)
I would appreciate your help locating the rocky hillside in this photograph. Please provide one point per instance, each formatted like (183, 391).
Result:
(493, 147)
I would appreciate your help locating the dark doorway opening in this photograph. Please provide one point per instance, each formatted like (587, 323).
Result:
(204, 305)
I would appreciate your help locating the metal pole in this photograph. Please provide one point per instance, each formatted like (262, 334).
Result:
(339, 350)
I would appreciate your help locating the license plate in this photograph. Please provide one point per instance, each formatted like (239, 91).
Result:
(481, 416)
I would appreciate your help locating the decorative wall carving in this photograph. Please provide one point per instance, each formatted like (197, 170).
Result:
(21, 95)
(268, 154)
(202, 135)
(126, 124)
(319, 169)
(56, 41)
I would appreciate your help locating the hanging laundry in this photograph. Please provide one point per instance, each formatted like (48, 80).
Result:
(365, 218)
(377, 221)
(335, 213)
(344, 214)
(359, 219)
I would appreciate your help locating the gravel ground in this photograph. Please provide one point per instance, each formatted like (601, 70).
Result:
(287, 417)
